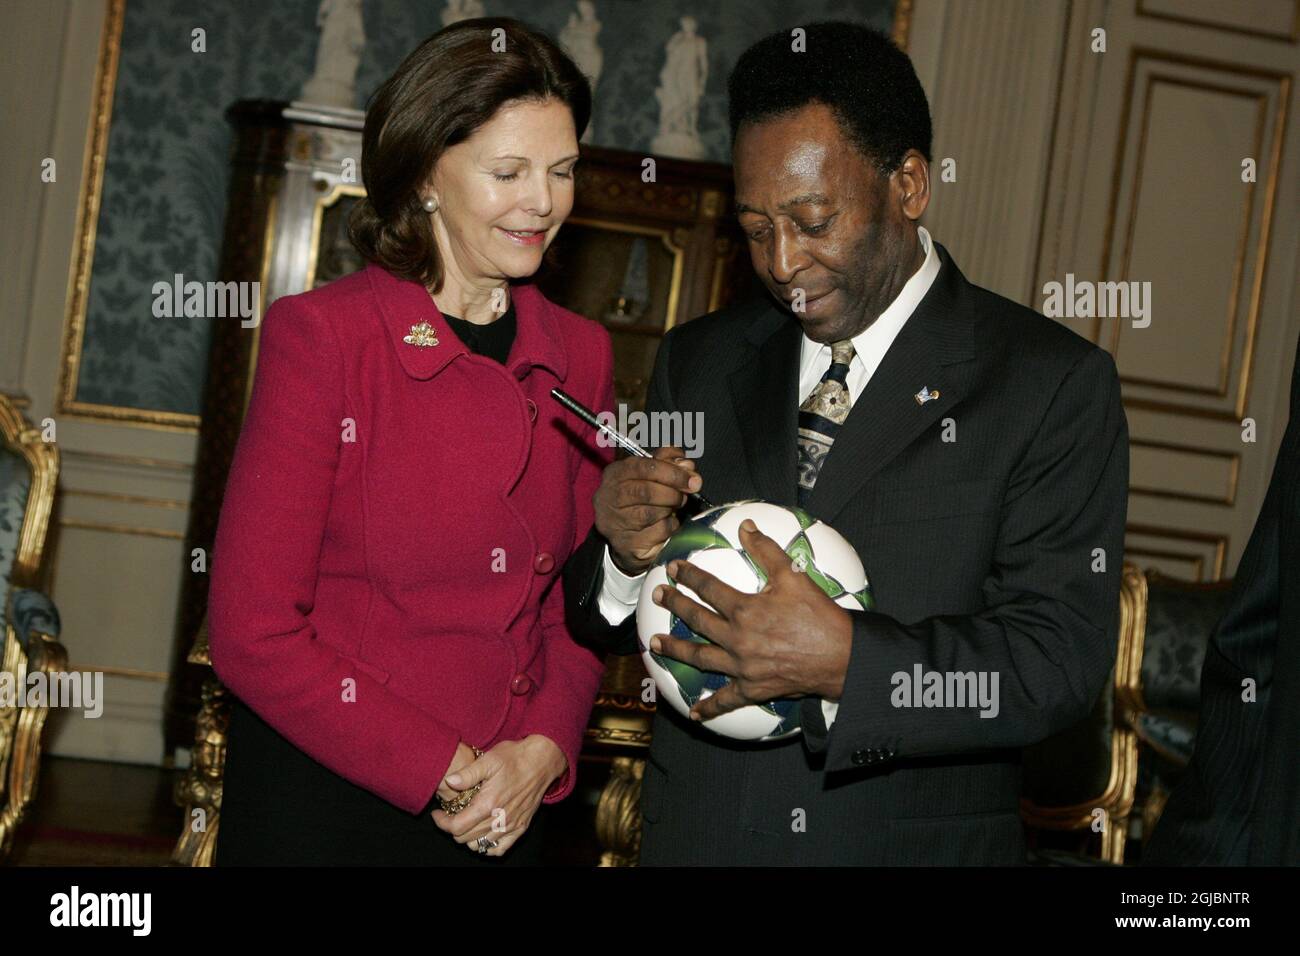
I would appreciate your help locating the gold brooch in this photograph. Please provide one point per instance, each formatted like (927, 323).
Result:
(422, 336)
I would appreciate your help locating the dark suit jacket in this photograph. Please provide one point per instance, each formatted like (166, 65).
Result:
(1239, 801)
(980, 552)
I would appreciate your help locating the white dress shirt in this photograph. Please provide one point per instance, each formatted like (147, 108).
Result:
(619, 593)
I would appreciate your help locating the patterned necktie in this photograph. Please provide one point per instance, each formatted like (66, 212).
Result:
(820, 417)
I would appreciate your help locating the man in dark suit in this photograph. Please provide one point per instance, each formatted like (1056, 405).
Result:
(1239, 802)
(973, 452)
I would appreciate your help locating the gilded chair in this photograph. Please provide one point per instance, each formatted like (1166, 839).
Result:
(1084, 779)
(619, 731)
(1181, 618)
(29, 468)
(199, 790)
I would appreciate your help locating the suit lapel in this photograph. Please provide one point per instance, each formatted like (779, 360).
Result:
(934, 350)
(765, 394)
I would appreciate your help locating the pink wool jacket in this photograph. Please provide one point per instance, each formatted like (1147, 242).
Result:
(385, 574)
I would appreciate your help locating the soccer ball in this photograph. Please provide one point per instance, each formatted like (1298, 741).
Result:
(711, 540)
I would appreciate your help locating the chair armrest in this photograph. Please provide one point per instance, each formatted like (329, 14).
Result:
(44, 653)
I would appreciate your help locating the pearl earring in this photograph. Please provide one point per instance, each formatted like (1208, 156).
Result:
(431, 204)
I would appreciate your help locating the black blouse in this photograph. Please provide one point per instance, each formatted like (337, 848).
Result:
(492, 340)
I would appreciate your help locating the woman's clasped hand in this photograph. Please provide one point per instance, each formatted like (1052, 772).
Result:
(511, 778)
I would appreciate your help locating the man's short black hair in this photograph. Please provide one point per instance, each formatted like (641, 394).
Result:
(858, 72)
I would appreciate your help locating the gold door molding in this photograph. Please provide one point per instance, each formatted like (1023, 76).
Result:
(1151, 10)
(673, 240)
(335, 193)
(1199, 551)
(1153, 68)
(92, 184)
(1229, 462)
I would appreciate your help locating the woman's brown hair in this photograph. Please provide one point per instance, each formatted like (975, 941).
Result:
(449, 86)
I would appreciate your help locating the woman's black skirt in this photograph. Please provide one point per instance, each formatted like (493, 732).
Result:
(282, 808)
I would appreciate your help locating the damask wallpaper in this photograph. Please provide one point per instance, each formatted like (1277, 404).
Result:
(165, 178)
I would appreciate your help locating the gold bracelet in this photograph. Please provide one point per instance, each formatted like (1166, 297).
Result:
(453, 807)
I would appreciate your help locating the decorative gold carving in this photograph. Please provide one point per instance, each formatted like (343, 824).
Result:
(199, 791)
(901, 28)
(20, 730)
(21, 727)
(710, 204)
(1133, 598)
(622, 702)
(621, 720)
(199, 653)
(619, 735)
(618, 815)
(1117, 799)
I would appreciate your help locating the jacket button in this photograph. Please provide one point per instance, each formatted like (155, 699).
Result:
(860, 757)
(532, 410)
(521, 684)
(544, 562)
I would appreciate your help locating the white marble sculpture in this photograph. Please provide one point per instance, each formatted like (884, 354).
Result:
(681, 86)
(457, 10)
(579, 40)
(342, 38)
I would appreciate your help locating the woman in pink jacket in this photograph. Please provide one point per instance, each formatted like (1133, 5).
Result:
(384, 602)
